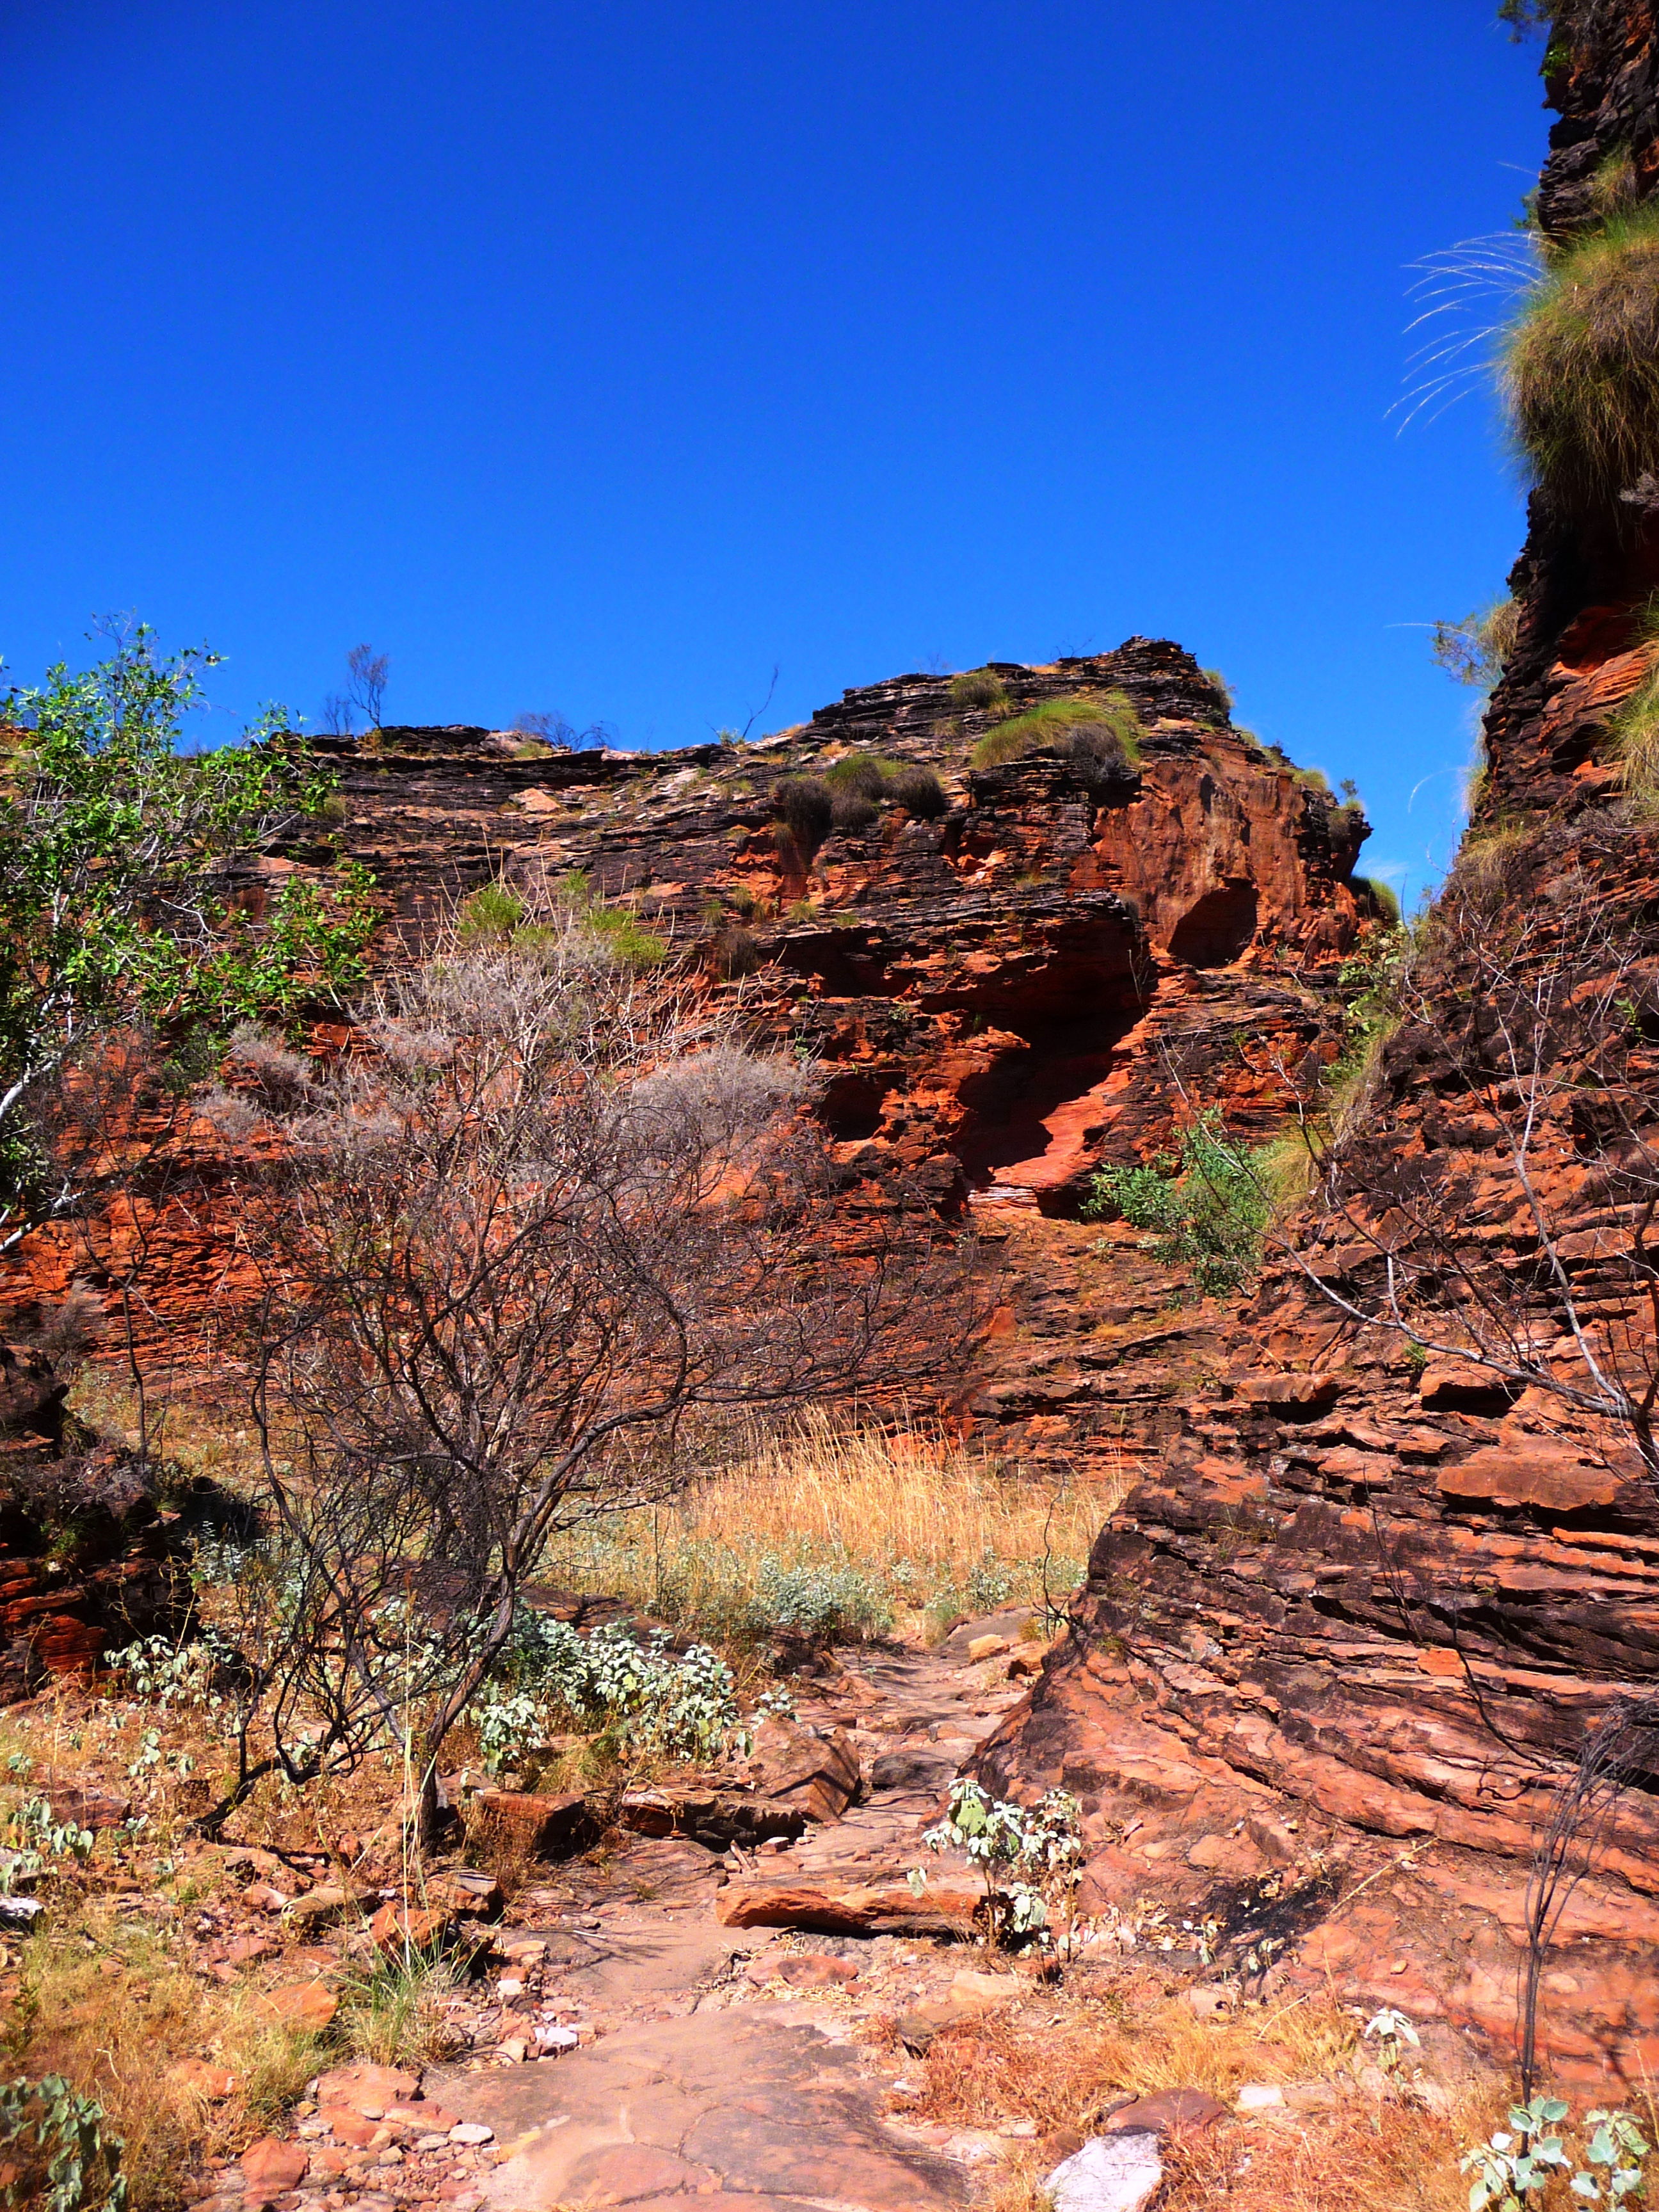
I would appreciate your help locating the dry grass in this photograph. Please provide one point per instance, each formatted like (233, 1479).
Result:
(1353, 2155)
(908, 1523)
(105, 2002)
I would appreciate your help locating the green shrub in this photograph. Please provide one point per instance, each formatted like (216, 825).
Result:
(1050, 726)
(978, 687)
(804, 806)
(853, 811)
(860, 776)
(1206, 1208)
(626, 935)
(1218, 683)
(919, 791)
(1582, 363)
(492, 911)
(1635, 727)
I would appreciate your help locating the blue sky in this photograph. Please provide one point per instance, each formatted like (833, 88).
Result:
(600, 358)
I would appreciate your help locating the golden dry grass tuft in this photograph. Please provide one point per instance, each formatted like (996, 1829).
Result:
(105, 2002)
(905, 1522)
(1352, 2155)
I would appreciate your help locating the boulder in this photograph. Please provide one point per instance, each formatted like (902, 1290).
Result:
(812, 1770)
(1118, 2172)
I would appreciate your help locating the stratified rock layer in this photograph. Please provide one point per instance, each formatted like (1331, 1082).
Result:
(994, 997)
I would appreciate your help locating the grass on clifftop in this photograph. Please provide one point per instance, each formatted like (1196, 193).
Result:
(1054, 724)
(1582, 363)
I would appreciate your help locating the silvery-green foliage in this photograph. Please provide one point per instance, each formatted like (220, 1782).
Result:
(1025, 1854)
(1514, 2166)
(83, 2163)
(39, 1842)
(681, 1704)
(818, 1600)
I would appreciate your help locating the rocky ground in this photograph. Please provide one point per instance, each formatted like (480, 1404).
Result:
(767, 2027)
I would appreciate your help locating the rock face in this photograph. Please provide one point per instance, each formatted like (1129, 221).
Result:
(996, 995)
(87, 1560)
(1358, 1601)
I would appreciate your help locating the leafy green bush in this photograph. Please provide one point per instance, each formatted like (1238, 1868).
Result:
(978, 687)
(919, 791)
(1582, 363)
(635, 1690)
(1516, 2166)
(120, 855)
(830, 1604)
(62, 2160)
(1205, 1208)
(1053, 724)
(1030, 1858)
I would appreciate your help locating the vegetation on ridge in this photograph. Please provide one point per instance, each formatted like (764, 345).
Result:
(1581, 367)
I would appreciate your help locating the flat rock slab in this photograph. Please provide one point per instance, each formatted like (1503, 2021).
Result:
(656, 1960)
(745, 2111)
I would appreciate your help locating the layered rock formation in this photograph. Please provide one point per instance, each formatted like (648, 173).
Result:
(995, 996)
(1362, 1598)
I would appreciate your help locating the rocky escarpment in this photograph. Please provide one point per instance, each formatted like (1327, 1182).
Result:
(995, 990)
(1366, 1610)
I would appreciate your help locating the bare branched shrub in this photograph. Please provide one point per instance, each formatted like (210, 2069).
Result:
(531, 1253)
(1520, 1237)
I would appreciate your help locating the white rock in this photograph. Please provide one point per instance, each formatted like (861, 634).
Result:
(471, 2131)
(1111, 2173)
(1259, 2096)
(551, 2037)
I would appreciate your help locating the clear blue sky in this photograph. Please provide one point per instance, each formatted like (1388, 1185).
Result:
(597, 358)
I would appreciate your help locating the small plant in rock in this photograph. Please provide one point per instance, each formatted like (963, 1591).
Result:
(1205, 1208)
(1516, 2166)
(978, 687)
(1028, 1858)
(918, 790)
(1393, 2033)
(60, 2159)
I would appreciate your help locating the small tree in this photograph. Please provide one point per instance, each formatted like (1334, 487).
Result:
(130, 930)
(538, 1245)
(367, 672)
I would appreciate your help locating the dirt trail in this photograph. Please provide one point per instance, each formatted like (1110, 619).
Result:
(727, 2066)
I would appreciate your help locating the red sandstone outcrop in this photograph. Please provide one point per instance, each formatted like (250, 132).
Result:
(995, 998)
